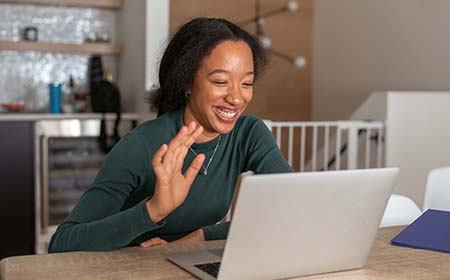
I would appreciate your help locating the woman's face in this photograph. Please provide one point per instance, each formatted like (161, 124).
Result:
(222, 89)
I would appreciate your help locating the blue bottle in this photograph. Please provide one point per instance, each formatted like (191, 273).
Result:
(55, 97)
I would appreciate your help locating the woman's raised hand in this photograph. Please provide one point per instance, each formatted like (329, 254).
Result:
(172, 186)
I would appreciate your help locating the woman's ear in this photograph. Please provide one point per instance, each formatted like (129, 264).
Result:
(187, 94)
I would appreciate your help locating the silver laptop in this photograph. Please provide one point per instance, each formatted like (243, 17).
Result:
(296, 224)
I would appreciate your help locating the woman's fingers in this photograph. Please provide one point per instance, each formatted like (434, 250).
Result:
(153, 242)
(180, 155)
(158, 158)
(181, 136)
(158, 167)
(178, 142)
(190, 139)
(194, 168)
(179, 147)
(184, 149)
(186, 136)
(169, 159)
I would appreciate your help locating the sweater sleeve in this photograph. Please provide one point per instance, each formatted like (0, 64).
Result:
(217, 231)
(98, 222)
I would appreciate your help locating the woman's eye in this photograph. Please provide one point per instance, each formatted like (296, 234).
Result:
(247, 84)
(220, 82)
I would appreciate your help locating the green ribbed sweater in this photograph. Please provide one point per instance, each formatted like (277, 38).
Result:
(112, 213)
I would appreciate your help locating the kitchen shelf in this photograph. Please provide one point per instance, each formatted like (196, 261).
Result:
(91, 48)
(108, 4)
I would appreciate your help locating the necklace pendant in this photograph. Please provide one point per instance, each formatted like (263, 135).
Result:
(205, 169)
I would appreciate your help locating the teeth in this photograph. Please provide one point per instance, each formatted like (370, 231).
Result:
(225, 113)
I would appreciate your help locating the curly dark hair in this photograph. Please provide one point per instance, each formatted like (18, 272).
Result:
(183, 56)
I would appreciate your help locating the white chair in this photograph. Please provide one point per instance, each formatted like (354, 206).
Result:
(437, 193)
(400, 211)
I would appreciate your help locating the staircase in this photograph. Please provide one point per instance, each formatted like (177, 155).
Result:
(320, 146)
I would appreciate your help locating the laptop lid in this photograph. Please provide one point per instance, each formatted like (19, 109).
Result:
(294, 224)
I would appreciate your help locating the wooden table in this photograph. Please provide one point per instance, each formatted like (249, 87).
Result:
(385, 262)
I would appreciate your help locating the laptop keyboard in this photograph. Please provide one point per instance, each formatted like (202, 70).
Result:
(210, 268)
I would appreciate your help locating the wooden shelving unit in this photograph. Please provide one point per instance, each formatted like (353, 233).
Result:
(91, 48)
(108, 4)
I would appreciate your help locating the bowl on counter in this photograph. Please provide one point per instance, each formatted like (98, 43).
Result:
(13, 107)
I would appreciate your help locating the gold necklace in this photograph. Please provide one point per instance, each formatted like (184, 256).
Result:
(205, 169)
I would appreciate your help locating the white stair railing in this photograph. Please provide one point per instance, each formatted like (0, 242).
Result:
(330, 145)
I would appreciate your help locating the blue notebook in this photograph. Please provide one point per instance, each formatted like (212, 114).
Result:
(430, 231)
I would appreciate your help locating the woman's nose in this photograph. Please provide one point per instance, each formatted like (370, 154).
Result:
(234, 96)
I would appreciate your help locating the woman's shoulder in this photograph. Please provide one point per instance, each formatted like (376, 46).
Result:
(149, 126)
(250, 127)
(165, 123)
(153, 133)
(249, 121)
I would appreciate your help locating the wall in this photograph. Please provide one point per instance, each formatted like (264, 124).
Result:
(143, 27)
(417, 138)
(362, 46)
(157, 23)
(157, 39)
(284, 92)
(373, 108)
(131, 66)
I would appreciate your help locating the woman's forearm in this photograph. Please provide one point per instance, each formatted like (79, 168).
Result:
(113, 232)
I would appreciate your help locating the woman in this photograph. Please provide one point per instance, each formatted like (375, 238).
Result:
(173, 178)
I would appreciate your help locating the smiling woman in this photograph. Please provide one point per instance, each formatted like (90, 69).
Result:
(221, 90)
(149, 190)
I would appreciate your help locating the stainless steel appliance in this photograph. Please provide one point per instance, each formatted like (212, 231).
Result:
(67, 159)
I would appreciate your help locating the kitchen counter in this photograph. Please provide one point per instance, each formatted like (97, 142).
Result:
(82, 116)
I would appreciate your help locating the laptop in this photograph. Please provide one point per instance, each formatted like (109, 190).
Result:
(296, 224)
